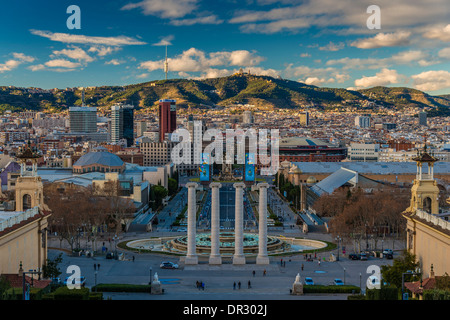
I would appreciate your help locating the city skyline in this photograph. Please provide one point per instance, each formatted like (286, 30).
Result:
(318, 43)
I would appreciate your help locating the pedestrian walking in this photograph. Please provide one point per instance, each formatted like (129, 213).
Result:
(302, 266)
(234, 285)
(98, 266)
(254, 273)
(264, 272)
(239, 285)
(133, 258)
(249, 284)
(95, 266)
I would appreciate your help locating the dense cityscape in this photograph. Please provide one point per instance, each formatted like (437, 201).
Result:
(245, 183)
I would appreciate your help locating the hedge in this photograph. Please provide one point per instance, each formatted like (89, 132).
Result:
(17, 294)
(331, 289)
(436, 294)
(385, 293)
(64, 293)
(115, 287)
(356, 297)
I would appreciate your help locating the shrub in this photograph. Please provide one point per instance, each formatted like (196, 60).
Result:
(64, 293)
(436, 294)
(385, 293)
(114, 287)
(356, 297)
(331, 289)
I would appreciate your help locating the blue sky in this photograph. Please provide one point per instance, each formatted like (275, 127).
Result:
(320, 42)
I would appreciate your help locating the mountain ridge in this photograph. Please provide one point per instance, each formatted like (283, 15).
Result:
(261, 91)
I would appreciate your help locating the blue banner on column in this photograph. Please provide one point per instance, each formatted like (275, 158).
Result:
(249, 168)
(205, 167)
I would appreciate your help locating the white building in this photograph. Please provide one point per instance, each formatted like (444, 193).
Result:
(362, 122)
(363, 152)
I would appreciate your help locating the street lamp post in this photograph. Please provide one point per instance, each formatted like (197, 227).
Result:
(95, 281)
(344, 276)
(338, 238)
(410, 272)
(150, 282)
(360, 288)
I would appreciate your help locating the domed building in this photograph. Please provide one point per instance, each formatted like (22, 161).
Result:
(99, 160)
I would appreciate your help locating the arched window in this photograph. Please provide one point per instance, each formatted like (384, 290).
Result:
(427, 204)
(26, 202)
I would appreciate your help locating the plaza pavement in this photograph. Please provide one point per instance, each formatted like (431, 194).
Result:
(180, 284)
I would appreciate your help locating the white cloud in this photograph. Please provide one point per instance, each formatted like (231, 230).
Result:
(37, 67)
(22, 57)
(195, 60)
(295, 15)
(333, 46)
(444, 53)
(315, 76)
(165, 41)
(396, 39)
(82, 39)
(403, 57)
(142, 75)
(382, 78)
(432, 80)
(164, 8)
(11, 64)
(76, 53)
(104, 51)
(114, 62)
(209, 19)
(305, 55)
(438, 32)
(314, 81)
(62, 63)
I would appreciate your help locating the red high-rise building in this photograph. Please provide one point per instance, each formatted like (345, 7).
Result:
(167, 117)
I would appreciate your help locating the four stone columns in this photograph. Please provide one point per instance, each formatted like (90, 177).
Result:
(238, 257)
(191, 256)
(262, 257)
(215, 257)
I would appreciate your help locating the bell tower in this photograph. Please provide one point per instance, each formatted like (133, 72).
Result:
(424, 192)
(29, 186)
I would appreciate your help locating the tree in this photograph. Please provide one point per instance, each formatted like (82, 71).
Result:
(173, 186)
(51, 269)
(160, 193)
(393, 274)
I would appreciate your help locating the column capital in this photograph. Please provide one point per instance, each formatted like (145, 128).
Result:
(239, 185)
(191, 185)
(215, 185)
(262, 185)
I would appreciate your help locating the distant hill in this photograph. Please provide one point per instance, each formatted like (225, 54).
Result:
(261, 91)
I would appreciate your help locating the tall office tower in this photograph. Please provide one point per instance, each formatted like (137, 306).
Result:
(304, 118)
(167, 118)
(83, 119)
(141, 127)
(122, 123)
(247, 117)
(423, 118)
(362, 121)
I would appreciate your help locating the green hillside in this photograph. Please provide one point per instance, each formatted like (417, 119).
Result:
(262, 91)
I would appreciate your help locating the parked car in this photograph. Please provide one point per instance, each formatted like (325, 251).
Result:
(182, 230)
(309, 281)
(168, 265)
(338, 282)
(388, 251)
(353, 256)
(363, 256)
(388, 256)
